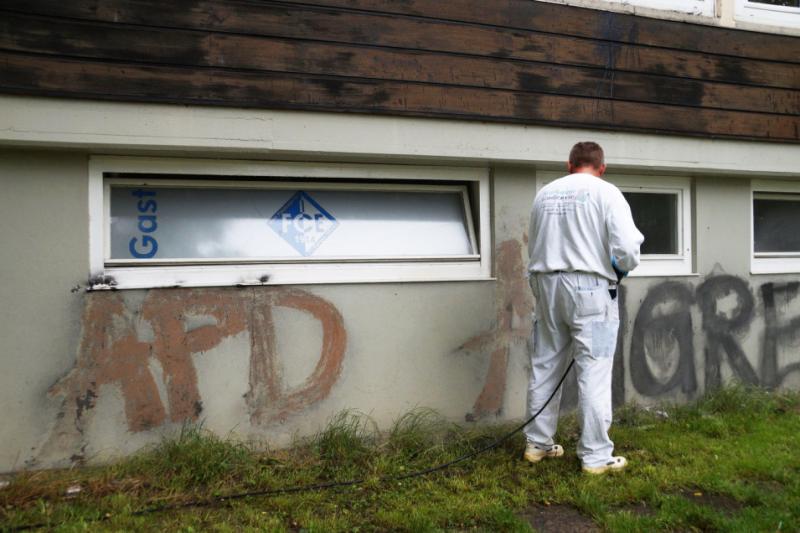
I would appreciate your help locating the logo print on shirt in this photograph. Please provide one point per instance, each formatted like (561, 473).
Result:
(303, 223)
(565, 201)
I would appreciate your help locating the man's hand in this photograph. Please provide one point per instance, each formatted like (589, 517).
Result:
(619, 272)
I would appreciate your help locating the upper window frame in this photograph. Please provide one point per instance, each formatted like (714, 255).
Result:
(699, 8)
(657, 265)
(771, 262)
(757, 13)
(702, 8)
(108, 274)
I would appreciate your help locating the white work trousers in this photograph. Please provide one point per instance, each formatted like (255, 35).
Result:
(575, 317)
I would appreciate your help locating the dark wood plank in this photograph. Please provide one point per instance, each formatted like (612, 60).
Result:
(26, 74)
(272, 19)
(582, 22)
(204, 49)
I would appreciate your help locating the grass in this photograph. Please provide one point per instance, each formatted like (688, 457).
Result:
(729, 462)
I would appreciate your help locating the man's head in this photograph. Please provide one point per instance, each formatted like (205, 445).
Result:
(586, 157)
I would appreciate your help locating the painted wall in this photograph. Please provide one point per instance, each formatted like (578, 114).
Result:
(89, 376)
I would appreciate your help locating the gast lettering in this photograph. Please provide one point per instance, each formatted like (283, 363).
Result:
(147, 225)
(303, 223)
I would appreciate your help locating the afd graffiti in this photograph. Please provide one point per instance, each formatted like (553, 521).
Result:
(121, 341)
(662, 355)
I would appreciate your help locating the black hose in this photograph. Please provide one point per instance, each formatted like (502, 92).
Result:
(208, 502)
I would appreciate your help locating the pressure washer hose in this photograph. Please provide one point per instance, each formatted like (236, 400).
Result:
(208, 502)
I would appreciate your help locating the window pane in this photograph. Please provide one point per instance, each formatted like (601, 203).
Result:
(776, 223)
(656, 216)
(207, 223)
(789, 3)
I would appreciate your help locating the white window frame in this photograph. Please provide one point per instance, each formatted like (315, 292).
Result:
(771, 262)
(757, 13)
(657, 265)
(702, 8)
(130, 274)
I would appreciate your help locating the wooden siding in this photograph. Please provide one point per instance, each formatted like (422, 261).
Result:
(500, 60)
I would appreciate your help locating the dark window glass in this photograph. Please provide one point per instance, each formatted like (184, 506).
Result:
(656, 216)
(787, 3)
(776, 223)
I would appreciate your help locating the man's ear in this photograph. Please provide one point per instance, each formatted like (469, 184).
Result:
(569, 167)
(601, 170)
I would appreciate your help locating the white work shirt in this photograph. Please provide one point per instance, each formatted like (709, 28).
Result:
(577, 223)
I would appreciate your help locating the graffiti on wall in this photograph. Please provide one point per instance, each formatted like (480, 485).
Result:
(662, 357)
(120, 343)
(513, 304)
(513, 326)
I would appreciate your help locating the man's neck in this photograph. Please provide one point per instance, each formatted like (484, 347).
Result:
(587, 170)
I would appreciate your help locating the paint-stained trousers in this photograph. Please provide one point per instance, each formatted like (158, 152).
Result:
(575, 317)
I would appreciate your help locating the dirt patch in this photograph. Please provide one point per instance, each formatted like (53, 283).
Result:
(559, 519)
(720, 502)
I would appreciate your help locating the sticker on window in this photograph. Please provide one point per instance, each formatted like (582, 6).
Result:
(303, 223)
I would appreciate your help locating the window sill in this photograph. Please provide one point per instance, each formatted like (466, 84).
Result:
(114, 278)
(778, 267)
(657, 274)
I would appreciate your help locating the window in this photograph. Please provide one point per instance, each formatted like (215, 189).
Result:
(656, 216)
(776, 227)
(661, 208)
(775, 12)
(192, 223)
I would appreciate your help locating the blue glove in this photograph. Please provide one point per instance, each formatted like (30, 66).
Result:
(618, 271)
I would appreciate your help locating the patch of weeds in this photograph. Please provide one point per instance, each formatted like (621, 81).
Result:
(348, 439)
(195, 458)
(738, 398)
(633, 415)
(416, 431)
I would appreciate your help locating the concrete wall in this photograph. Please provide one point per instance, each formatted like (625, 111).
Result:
(89, 376)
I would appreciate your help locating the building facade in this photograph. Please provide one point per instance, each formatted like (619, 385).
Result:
(253, 215)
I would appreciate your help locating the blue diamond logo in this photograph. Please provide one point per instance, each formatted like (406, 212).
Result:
(303, 223)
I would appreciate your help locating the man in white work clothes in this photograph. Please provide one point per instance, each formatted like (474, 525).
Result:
(582, 241)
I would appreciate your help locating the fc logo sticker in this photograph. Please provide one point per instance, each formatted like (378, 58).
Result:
(303, 223)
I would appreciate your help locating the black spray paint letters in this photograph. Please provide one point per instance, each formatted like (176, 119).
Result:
(662, 356)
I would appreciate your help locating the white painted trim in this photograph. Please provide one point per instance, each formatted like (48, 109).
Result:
(754, 12)
(654, 265)
(700, 12)
(192, 131)
(704, 8)
(346, 270)
(771, 262)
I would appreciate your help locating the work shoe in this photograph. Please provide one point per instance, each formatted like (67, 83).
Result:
(615, 464)
(534, 454)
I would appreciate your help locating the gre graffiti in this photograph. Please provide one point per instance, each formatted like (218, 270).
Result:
(662, 350)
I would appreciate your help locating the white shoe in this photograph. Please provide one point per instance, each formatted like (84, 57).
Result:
(534, 454)
(615, 464)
